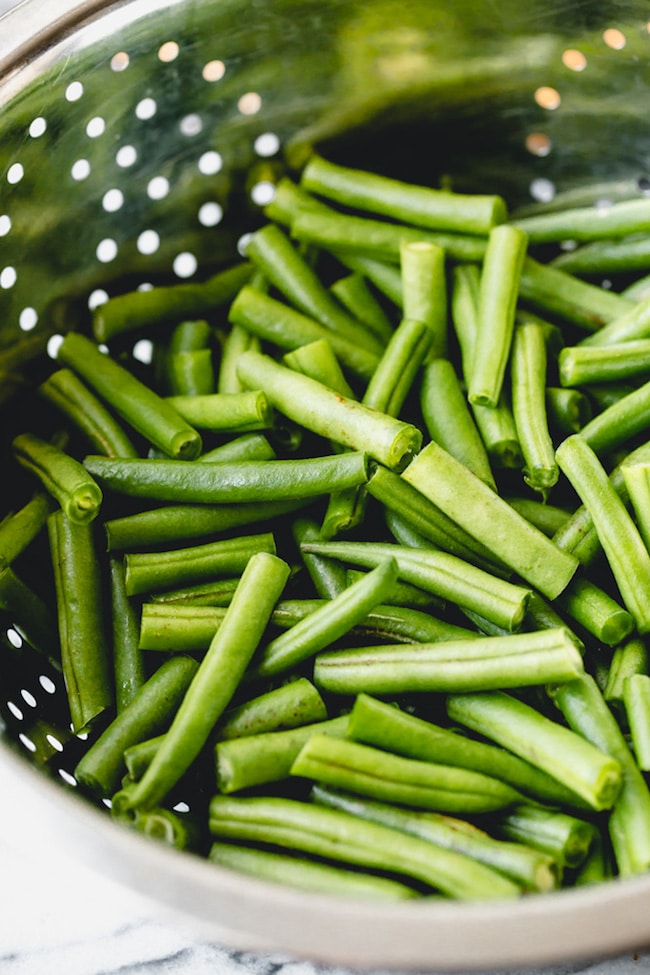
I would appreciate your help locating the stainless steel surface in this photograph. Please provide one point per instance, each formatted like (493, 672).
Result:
(137, 141)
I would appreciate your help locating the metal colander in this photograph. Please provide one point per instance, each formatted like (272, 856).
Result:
(139, 142)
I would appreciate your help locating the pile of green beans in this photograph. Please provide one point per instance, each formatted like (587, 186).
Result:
(351, 583)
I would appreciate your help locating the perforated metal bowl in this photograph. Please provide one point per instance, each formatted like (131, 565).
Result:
(138, 142)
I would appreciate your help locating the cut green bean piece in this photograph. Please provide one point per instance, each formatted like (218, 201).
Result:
(448, 419)
(569, 410)
(167, 304)
(149, 571)
(317, 359)
(169, 627)
(64, 477)
(636, 698)
(310, 875)
(547, 517)
(587, 713)
(128, 665)
(149, 712)
(253, 760)
(383, 725)
(336, 835)
(79, 600)
(552, 291)
(327, 624)
(273, 480)
(532, 869)
(637, 482)
(238, 339)
(587, 223)
(135, 402)
(581, 364)
(190, 366)
(626, 553)
(18, 529)
(373, 772)
(562, 753)
(65, 390)
(398, 367)
(630, 658)
(480, 663)
(355, 294)
(528, 376)
(277, 257)
(246, 446)
(225, 412)
(423, 206)
(491, 520)
(328, 576)
(217, 678)
(385, 277)
(305, 401)
(424, 288)
(180, 830)
(275, 322)
(497, 301)
(632, 325)
(178, 523)
(445, 575)
(566, 838)
(598, 612)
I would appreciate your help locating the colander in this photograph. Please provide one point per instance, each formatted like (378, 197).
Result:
(139, 142)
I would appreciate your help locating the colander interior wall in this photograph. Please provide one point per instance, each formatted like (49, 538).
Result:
(139, 143)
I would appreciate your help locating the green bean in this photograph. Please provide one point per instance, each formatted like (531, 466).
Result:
(528, 376)
(365, 237)
(630, 658)
(402, 594)
(562, 753)
(552, 291)
(288, 198)
(596, 866)
(638, 289)
(491, 520)
(309, 875)
(81, 623)
(18, 529)
(636, 698)
(225, 412)
(64, 477)
(569, 410)
(445, 575)
(637, 482)
(355, 294)
(479, 663)
(448, 419)
(587, 223)
(398, 367)
(217, 678)
(424, 288)
(271, 250)
(497, 300)
(326, 624)
(236, 482)
(328, 576)
(128, 665)
(533, 870)
(238, 339)
(148, 571)
(385, 277)
(246, 446)
(596, 611)
(423, 206)
(317, 359)
(547, 517)
(190, 365)
(169, 627)
(626, 553)
(71, 396)
(586, 712)
(177, 523)
(381, 775)
(254, 760)
(136, 403)
(275, 322)
(319, 409)
(336, 835)
(566, 838)
(167, 304)
(580, 364)
(182, 831)
(149, 712)
(381, 724)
